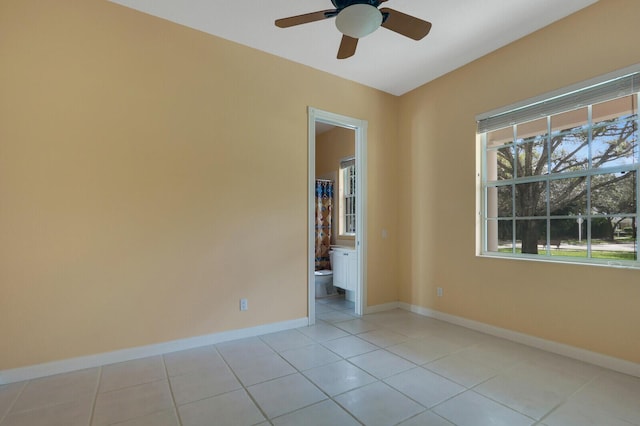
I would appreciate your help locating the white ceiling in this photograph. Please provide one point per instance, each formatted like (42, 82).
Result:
(463, 30)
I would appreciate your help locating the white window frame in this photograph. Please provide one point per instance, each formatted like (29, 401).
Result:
(547, 106)
(347, 196)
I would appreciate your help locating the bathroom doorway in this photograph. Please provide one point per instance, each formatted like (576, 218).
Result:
(321, 121)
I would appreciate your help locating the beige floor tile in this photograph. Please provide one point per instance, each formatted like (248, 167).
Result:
(8, 395)
(357, 326)
(577, 414)
(251, 371)
(183, 362)
(322, 308)
(229, 409)
(412, 327)
(285, 340)
(243, 350)
(613, 392)
(323, 332)
(203, 383)
(339, 377)
(530, 389)
(472, 409)
(421, 351)
(388, 317)
(378, 404)
(131, 373)
(132, 402)
(463, 370)
(383, 338)
(424, 387)
(326, 413)
(381, 364)
(161, 418)
(74, 413)
(350, 346)
(463, 337)
(565, 365)
(499, 356)
(58, 389)
(426, 419)
(286, 394)
(309, 356)
(335, 316)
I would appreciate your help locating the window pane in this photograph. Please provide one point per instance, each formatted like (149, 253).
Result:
(532, 152)
(615, 143)
(532, 129)
(613, 193)
(573, 121)
(500, 137)
(500, 236)
(614, 109)
(566, 239)
(531, 199)
(613, 239)
(531, 233)
(615, 138)
(499, 201)
(569, 152)
(500, 164)
(568, 196)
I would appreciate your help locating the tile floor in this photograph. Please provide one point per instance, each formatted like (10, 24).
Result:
(389, 368)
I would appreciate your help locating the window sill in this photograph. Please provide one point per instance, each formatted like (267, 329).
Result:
(565, 260)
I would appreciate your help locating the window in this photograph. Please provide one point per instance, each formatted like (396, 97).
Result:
(560, 177)
(348, 196)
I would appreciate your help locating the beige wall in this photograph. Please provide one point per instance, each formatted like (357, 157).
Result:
(151, 175)
(594, 308)
(331, 147)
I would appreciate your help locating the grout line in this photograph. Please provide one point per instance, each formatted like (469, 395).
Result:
(95, 396)
(173, 398)
(568, 397)
(13, 403)
(245, 388)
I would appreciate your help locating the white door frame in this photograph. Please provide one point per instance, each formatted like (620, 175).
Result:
(360, 128)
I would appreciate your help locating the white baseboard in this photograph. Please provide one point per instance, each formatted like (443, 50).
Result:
(606, 361)
(381, 308)
(90, 361)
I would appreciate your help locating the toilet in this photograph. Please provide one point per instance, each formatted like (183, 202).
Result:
(324, 283)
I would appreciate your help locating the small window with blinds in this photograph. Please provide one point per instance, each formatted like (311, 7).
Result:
(347, 223)
(559, 176)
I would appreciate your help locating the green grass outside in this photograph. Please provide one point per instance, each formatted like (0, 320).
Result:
(595, 254)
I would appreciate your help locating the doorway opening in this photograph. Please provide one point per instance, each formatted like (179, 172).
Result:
(349, 241)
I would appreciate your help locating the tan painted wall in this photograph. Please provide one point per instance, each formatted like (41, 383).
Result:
(331, 147)
(595, 308)
(151, 175)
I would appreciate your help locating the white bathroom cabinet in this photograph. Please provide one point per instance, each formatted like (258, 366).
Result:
(345, 269)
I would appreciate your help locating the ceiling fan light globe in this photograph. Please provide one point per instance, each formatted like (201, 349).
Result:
(358, 20)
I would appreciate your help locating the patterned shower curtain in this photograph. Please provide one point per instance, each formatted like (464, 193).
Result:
(324, 199)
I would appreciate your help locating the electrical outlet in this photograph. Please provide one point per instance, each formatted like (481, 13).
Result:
(439, 291)
(244, 305)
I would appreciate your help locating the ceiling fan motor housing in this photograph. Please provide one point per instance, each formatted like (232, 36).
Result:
(341, 4)
(359, 20)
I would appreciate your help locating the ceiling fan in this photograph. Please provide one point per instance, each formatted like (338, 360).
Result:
(358, 18)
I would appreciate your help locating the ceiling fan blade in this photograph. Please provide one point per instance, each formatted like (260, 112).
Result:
(347, 47)
(304, 19)
(407, 25)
